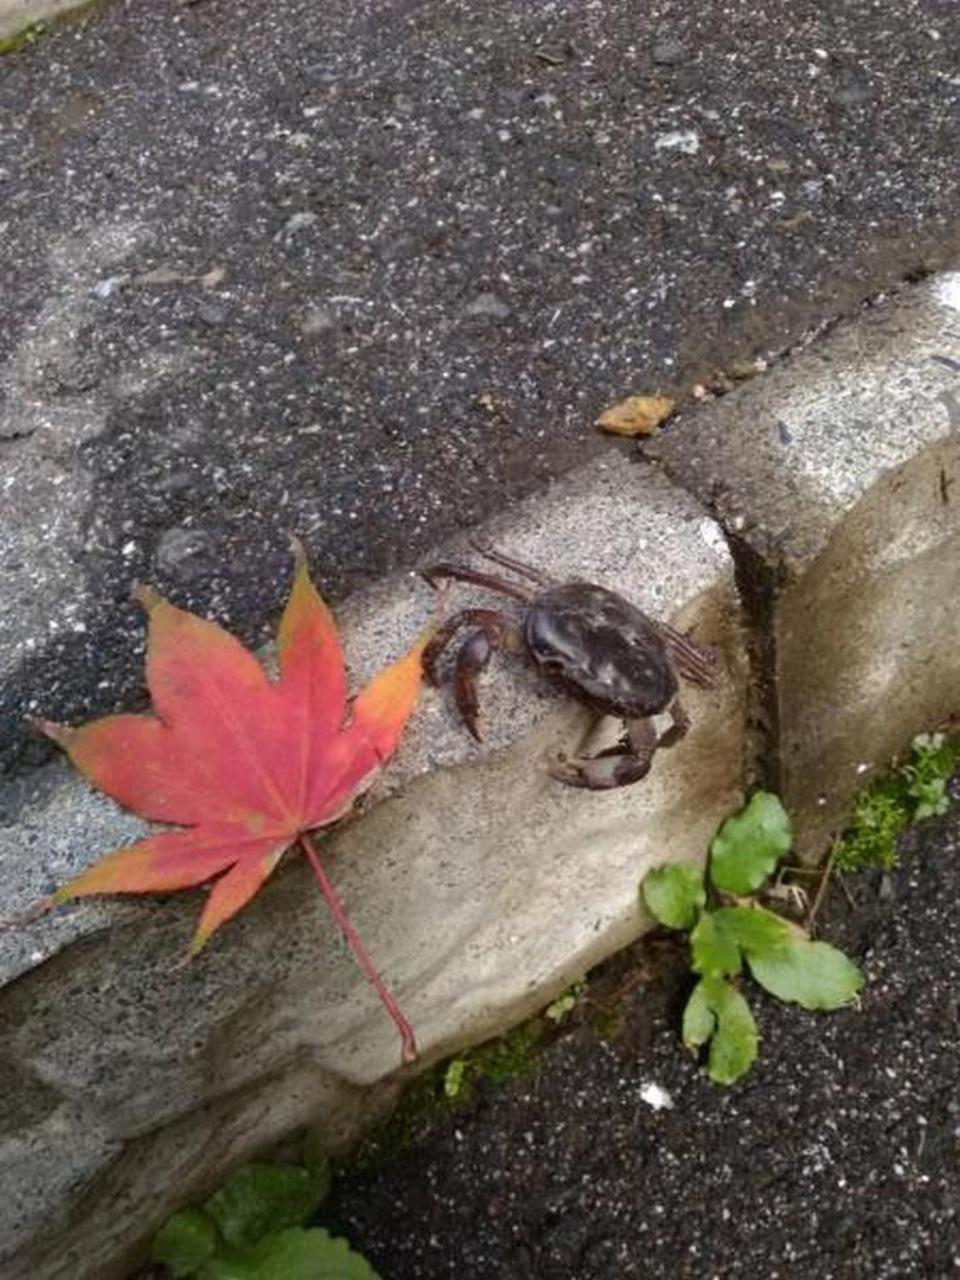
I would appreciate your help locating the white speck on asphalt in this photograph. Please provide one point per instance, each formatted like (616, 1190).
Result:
(104, 288)
(685, 140)
(655, 1096)
(294, 224)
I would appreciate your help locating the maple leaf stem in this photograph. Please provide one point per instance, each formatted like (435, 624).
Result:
(352, 939)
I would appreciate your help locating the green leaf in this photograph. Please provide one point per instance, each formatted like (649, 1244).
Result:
(261, 1198)
(748, 846)
(558, 1009)
(754, 930)
(294, 1254)
(454, 1078)
(733, 1049)
(716, 1011)
(931, 797)
(712, 949)
(699, 1022)
(674, 893)
(812, 974)
(185, 1242)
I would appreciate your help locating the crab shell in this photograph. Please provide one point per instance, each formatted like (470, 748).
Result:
(602, 649)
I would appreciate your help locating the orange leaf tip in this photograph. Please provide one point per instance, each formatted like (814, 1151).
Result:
(147, 597)
(61, 734)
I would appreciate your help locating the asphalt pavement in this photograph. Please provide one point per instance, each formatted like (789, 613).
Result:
(368, 271)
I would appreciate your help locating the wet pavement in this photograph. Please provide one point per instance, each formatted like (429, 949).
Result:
(369, 271)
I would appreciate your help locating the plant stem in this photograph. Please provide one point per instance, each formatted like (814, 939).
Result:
(352, 939)
(821, 889)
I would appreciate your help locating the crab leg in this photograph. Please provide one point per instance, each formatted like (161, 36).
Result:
(508, 562)
(494, 631)
(696, 663)
(472, 658)
(464, 574)
(681, 723)
(501, 630)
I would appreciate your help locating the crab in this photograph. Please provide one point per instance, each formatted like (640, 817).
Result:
(596, 645)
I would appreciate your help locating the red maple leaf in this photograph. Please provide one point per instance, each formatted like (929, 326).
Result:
(246, 765)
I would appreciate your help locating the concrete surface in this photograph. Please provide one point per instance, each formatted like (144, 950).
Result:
(839, 475)
(481, 886)
(371, 270)
(18, 15)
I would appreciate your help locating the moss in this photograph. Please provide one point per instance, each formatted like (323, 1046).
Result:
(22, 39)
(913, 790)
(452, 1084)
(607, 1019)
(423, 1098)
(510, 1056)
(880, 814)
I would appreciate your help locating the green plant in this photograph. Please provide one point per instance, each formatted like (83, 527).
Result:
(910, 792)
(513, 1054)
(933, 759)
(252, 1229)
(727, 926)
(453, 1083)
(559, 1010)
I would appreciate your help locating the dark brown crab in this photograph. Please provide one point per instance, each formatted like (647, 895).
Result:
(602, 649)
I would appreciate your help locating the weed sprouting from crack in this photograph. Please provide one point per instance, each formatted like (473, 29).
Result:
(729, 930)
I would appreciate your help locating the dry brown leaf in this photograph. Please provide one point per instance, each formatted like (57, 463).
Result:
(637, 415)
(213, 277)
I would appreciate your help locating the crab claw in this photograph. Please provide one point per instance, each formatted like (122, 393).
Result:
(599, 773)
(617, 766)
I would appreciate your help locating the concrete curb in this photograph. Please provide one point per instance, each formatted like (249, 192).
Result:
(491, 888)
(834, 477)
(20, 15)
(837, 479)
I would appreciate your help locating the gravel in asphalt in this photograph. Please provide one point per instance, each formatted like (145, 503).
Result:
(368, 271)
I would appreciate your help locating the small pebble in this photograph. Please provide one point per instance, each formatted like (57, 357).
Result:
(655, 1096)
(488, 304)
(667, 53)
(852, 94)
(179, 545)
(685, 140)
(317, 319)
(298, 222)
(212, 313)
